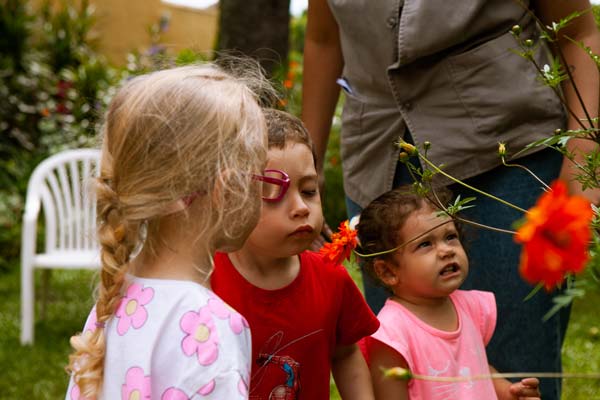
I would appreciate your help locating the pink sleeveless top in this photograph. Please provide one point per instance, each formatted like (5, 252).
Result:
(429, 351)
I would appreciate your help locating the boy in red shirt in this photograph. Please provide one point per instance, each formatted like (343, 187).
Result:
(305, 315)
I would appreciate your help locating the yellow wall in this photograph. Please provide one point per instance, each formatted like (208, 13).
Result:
(122, 26)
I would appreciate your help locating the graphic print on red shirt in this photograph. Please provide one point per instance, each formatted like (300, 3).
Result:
(296, 329)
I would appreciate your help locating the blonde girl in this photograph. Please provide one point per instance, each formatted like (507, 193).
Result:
(180, 151)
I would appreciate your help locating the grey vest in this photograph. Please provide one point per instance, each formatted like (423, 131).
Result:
(445, 70)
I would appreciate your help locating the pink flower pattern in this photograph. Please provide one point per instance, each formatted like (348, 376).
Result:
(222, 310)
(76, 393)
(137, 386)
(201, 335)
(90, 325)
(174, 394)
(207, 389)
(243, 387)
(131, 310)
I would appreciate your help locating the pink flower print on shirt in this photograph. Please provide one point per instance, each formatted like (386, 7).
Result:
(136, 386)
(131, 310)
(201, 335)
(174, 394)
(76, 393)
(222, 310)
(90, 325)
(207, 389)
(243, 387)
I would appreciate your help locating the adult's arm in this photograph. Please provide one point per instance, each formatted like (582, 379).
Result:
(585, 75)
(323, 63)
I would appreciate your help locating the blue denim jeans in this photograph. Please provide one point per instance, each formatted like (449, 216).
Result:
(522, 342)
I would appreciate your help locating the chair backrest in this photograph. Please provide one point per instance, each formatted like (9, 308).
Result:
(61, 185)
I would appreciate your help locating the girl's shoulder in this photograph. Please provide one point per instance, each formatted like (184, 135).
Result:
(174, 332)
(474, 299)
(480, 307)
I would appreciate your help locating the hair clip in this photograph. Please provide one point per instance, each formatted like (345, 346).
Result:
(100, 324)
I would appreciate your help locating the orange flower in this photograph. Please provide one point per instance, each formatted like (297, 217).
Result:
(288, 84)
(555, 237)
(342, 243)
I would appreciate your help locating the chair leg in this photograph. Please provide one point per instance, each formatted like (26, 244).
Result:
(27, 304)
(46, 275)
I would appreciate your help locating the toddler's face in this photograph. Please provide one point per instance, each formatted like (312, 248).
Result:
(288, 227)
(432, 263)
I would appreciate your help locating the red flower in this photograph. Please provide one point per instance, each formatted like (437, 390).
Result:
(555, 237)
(342, 243)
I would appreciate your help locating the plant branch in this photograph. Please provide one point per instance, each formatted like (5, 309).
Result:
(453, 179)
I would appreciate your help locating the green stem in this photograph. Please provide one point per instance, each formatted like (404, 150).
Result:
(562, 57)
(555, 375)
(528, 171)
(380, 253)
(488, 227)
(453, 179)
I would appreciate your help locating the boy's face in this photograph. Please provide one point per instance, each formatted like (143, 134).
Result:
(289, 226)
(433, 263)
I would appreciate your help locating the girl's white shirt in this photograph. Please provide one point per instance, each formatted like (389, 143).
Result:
(173, 340)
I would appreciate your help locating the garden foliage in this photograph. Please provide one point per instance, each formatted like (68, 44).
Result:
(54, 87)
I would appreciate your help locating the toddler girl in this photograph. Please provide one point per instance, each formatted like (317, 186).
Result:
(428, 326)
(179, 152)
(306, 315)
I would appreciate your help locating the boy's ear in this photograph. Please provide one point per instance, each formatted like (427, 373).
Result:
(386, 272)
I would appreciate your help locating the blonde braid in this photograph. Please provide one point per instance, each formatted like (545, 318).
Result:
(118, 238)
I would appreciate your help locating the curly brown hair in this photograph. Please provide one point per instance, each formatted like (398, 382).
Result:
(381, 221)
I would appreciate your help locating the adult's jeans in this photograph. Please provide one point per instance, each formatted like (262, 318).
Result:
(522, 342)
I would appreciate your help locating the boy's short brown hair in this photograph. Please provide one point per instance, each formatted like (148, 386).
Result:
(284, 127)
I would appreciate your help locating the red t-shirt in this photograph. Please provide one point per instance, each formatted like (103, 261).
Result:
(295, 329)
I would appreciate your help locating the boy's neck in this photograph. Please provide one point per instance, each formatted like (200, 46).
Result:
(438, 313)
(266, 272)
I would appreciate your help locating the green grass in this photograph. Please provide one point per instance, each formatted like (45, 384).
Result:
(37, 372)
(581, 350)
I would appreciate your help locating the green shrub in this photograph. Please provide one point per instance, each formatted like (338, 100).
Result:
(55, 87)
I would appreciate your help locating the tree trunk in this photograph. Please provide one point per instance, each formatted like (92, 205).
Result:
(256, 28)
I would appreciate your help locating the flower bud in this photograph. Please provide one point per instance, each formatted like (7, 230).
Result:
(516, 30)
(528, 43)
(407, 147)
(426, 145)
(397, 373)
(501, 149)
(403, 157)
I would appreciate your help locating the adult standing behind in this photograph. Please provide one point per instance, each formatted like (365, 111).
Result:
(443, 72)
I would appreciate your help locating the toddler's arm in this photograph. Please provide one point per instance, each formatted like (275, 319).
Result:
(382, 356)
(351, 373)
(527, 388)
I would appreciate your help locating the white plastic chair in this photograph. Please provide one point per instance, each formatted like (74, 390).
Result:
(59, 184)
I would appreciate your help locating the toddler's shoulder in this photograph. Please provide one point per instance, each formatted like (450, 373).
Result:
(469, 298)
